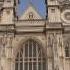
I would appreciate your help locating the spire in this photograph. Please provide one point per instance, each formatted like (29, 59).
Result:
(46, 9)
(16, 2)
(45, 1)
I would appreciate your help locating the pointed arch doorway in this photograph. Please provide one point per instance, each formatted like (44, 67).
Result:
(30, 57)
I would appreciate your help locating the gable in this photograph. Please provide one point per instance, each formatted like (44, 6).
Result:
(30, 13)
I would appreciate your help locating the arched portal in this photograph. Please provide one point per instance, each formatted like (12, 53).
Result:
(30, 57)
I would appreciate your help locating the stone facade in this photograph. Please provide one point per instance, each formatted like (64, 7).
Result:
(53, 33)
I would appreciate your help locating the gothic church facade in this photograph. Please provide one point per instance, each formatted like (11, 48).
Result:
(30, 42)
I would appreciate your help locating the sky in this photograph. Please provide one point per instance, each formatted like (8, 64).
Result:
(38, 4)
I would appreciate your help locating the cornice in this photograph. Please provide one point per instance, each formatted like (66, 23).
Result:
(64, 2)
(17, 20)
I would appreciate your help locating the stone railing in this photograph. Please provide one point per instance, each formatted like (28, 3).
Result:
(30, 26)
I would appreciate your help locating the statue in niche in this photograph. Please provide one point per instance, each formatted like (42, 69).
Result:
(60, 42)
(3, 45)
(10, 41)
(50, 41)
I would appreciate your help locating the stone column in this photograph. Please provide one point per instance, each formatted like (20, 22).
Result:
(6, 52)
(9, 53)
(61, 53)
(49, 51)
(0, 50)
(55, 51)
(58, 51)
(3, 53)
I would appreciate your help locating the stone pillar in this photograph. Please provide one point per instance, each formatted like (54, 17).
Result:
(49, 51)
(58, 51)
(6, 52)
(9, 53)
(61, 53)
(55, 51)
(0, 50)
(3, 43)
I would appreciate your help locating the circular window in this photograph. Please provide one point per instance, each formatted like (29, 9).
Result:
(67, 15)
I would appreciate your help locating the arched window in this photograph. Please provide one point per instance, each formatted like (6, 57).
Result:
(30, 57)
